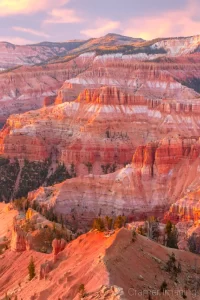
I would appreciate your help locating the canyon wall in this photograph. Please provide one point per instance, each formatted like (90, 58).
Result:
(158, 175)
(98, 110)
(27, 87)
(159, 76)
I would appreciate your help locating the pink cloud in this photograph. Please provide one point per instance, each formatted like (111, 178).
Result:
(13, 7)
(16, 40)
(31, 31)
(102, 27)
(62, 16)
(174, 23)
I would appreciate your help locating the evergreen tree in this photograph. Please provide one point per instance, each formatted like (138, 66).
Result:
(172, 235)
(134, 235)
(99, 224)
(141, 230)
(31, 269)
(73, 173)
(60, 175)
(113, 168)
(107, 134)
(172, 238)
(109, 222)
(173, 266)
(105, 168)
(163, 287)
(192, 243)
(89, 166)
(61, 221)
(168, 227)
(119, 222)
(34, 205)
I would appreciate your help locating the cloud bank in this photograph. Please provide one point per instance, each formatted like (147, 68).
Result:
(61, 20)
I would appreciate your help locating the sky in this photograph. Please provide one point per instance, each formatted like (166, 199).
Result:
(32, 21)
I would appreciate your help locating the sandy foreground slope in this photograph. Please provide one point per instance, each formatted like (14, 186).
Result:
(6, 220)
(110, 268)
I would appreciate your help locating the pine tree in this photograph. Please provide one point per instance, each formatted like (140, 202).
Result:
(134, 235)
(172, 235)
(163, 287)
(61, 221)
(109, 222)
(31, 269)
(99, 224)
(73, 173)
(168, 227)
(119, 222)
(192, 243)
(89, 166)
(172, 238)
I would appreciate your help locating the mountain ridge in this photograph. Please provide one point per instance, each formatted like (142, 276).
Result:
(45, 51)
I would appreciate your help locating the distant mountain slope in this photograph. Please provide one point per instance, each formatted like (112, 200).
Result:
(111, 60)
(110, 40)
(143, 50)
(15, 55)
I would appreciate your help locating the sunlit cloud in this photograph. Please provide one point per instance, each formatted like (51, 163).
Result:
(174, 23)
(62, 16)
(102, 27)
(31, 31)
(85, 21)
(14, 7)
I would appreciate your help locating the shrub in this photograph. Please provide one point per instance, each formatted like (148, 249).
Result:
(172, 266)
(134, 235)
(20, 203)
(81, 290)
(28, 226)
